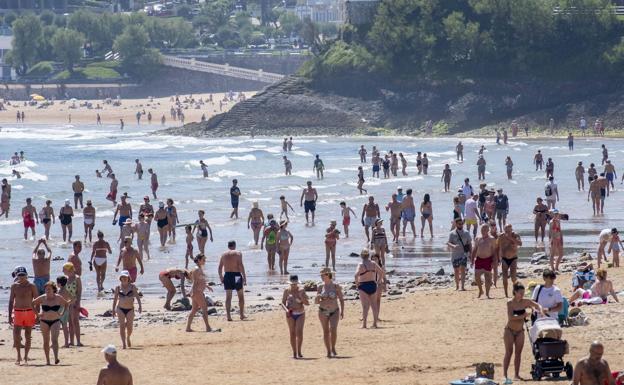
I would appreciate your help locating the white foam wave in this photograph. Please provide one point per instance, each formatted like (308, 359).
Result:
(228, 173)
(219, 161)
(133, 145)
(244, 158)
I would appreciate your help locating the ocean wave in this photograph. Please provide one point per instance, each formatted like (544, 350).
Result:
(134, 145)
(228, 173)
(244, 158)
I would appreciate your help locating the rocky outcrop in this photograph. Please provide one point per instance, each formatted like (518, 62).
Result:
(298, 106)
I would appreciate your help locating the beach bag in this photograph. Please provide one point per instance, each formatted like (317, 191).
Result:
(484, 370)
(577, 318)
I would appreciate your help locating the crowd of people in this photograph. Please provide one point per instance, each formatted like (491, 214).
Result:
(55, 305)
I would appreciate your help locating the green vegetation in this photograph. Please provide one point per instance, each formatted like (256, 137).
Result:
(43, 68)
(425, 40)
(93, 71)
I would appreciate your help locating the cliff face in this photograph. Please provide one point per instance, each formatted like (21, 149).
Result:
(297, 106)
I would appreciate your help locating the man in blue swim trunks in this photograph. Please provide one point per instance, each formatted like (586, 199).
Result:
(41, 265)
(234, 198)
(310, 195)
(124, 209)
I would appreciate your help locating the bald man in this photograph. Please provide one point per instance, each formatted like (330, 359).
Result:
(593, 370)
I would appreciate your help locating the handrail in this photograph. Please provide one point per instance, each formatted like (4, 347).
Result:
(221, 69)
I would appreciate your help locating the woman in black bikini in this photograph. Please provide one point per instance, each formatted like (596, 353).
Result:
(47, 218)
(123, 306)
(331, 309)
(426, 211)
(50, 307)
(65, 216)
(294, 301)
(514, 331)
(162, 222)
(203, 229)
(366, 280)
(541, 218)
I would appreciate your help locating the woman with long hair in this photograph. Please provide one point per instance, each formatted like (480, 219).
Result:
(50, 307)
(426, 215)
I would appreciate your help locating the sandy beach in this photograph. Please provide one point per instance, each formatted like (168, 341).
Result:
(428, 336)
(60, 111)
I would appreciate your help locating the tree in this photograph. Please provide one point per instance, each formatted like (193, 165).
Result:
(137, 58)
(67, 44)
(289, 23)
(47, 17)
(214, 14)
(27, 33)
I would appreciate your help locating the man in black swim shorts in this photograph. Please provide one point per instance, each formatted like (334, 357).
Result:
(233, 277)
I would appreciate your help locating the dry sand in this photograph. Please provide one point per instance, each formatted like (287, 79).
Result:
(427, 337)
(59, 112)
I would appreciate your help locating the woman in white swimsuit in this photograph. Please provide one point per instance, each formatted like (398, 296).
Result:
(89, 220)
(98, 259)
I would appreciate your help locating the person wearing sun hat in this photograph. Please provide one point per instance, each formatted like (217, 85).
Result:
(332, 234)
(21, 313)
(331, 309)
(284, 241)
(114, 372)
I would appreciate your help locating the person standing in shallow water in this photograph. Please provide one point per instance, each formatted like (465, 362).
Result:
(235, 194)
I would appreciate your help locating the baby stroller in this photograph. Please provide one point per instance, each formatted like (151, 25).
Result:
(548, 350)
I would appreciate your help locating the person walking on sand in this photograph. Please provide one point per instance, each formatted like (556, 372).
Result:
(508, 244)
(114, 372)
(78, 188)
(345, 214)
(483, 257)
(123, 306)
(555, 235)
(579, 173)
(255, 220)
(99, 259)
(362, 152)
(232, 275)
(332, 234)
(513, 337)
(294, 300)
(446, 177)
(460, 245)
(235, 194)
(30, 218)
(21, 313)
(311, 196)
(366, 275)
(330, 299)
(370, 213)
(74, 289)
(198, 299)
(284, 242)
(50, 307)
(318, 167)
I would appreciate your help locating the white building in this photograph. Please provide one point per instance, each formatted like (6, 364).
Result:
(319, 11)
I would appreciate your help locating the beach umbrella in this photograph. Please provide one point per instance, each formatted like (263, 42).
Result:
(37, 97)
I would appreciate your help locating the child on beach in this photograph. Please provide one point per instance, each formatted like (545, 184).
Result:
(345, 212)
(285, 205)
(61, 281)
(615, 247)
(189, 245)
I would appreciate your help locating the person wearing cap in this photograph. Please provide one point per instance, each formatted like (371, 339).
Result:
(370, 212)
(50, 306)
(255, 220)
(481, 167)
(269, 242)
(162, 223)
(579, 173)
(502, 208)
(235, 194)
(310, 196)
(318, 167)
(446, 177)
(548, 295)
(112, 194)
(284, 242)
(99, 255)
(124, 209)
(65, 216)
(21, 313)
(138, 170)
(172, 220)
(130, 256)
(123, 306)
(294, 300)
(114, 373)
(74, 289)
(366, 276)
(5, 198)
(78, 188)
(41, 264)
(460, 245)
(330, 299)
(233, 276)
(29, 217)
(541, 219)
(483, 257)
(89, 220)
(459, 150)
(332, 234)
(555, 235)
(551, 192)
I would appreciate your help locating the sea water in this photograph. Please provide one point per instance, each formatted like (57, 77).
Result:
(55, 153)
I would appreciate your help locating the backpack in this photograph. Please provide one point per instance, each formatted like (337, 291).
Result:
(548, 190)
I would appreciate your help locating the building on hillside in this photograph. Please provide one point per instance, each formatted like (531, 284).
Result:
(319, 11)
(358, 12)
(6, 36)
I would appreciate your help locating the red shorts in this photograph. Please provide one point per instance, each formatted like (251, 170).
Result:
(346, 221)
(484, 263)
(24, 318)
(112, 196)
(133, 274)
(29, 223)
